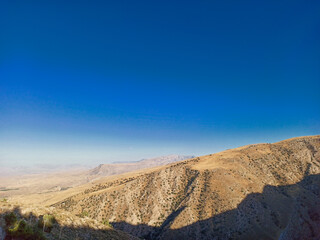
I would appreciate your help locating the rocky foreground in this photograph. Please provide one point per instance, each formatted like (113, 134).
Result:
(30, 223)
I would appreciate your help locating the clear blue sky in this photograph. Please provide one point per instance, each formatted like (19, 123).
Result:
(102, 81)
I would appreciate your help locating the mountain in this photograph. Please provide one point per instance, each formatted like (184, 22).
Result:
(119, 168)
(260, 191)
(15, 183)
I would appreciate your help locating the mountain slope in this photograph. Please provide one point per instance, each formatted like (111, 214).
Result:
(260, 190)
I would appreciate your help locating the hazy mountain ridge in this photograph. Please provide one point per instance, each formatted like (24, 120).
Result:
(244, 193)
(47, 182)
(119, 168)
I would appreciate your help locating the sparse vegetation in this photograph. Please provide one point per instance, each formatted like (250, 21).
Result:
(31, 223)
(46, 222)
(84, 214)
(19, 228)
(106, 222)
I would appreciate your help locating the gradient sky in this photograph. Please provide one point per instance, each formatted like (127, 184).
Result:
(93, 82)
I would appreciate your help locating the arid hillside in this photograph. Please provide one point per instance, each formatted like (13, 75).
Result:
(261, 191)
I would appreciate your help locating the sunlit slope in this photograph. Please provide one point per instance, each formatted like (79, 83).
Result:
(244, 193)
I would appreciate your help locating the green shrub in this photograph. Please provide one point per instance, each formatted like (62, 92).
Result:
(10, 219)
(46, 222)
(22, 230)
(84, 214)
(106, 222)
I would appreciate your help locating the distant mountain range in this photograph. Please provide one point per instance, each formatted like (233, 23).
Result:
(118, 168)
(43, 179)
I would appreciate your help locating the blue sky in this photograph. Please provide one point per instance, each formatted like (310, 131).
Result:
(91, 82)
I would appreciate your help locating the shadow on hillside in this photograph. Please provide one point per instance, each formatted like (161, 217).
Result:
(280, 212)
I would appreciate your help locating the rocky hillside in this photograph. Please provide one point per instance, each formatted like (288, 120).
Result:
(261, 191)
(23, 222)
